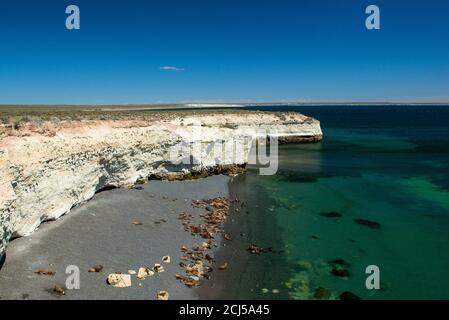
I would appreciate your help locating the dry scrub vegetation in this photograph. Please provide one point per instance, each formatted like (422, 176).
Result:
(45, 120)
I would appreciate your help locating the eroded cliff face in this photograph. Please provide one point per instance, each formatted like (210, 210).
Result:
(44, 173)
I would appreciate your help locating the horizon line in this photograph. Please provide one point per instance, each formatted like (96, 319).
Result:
(225, 103)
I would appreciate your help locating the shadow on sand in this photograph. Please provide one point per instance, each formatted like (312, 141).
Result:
(2, 260)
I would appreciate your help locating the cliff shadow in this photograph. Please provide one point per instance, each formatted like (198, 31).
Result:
(2, 260)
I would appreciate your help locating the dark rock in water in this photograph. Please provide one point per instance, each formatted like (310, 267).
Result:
(294, 176)
(340, 262)
(322, 293)
(368, 223)
(138, 188)
(314, 237)
(331, 214)
(361, 251)
(348, 296)
(254, 249)
(302, 265)
(340, 272)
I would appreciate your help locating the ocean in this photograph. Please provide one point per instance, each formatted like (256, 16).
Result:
(385, 164)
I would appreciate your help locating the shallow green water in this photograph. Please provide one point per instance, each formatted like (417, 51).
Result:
(385, 165)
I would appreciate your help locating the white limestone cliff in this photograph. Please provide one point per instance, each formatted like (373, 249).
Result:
(44, 174)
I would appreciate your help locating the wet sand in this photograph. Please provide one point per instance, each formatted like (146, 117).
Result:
(101, 232)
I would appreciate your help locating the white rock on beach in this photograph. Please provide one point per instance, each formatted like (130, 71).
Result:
(119, 280)
(142, 273)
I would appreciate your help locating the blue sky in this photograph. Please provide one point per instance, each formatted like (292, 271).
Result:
(223, 50)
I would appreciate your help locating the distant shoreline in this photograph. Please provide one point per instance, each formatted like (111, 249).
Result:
(134, 107)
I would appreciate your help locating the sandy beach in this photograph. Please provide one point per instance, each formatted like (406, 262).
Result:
(102, 232)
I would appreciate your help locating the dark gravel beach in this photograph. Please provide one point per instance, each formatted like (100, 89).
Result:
(121, 229)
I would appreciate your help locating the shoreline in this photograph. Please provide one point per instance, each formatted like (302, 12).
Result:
(109, 237)
(246, 226)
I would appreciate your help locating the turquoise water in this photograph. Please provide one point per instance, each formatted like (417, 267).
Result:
(385, 164)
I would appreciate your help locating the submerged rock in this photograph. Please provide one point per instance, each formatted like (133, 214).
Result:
(224, 266)
(340, 262)
(299, 286)
(349, 296)
(367, 223)
(322, 293)
(254, 249)
(294, 176)
(303, 265)
(331, 214)
(341, 272)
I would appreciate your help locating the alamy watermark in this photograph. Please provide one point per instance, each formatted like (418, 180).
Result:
(73, 21)
(372, 22)
(251, 146)
(373, 280)
(72, 281)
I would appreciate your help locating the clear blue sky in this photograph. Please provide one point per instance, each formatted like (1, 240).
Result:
(225, 50)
